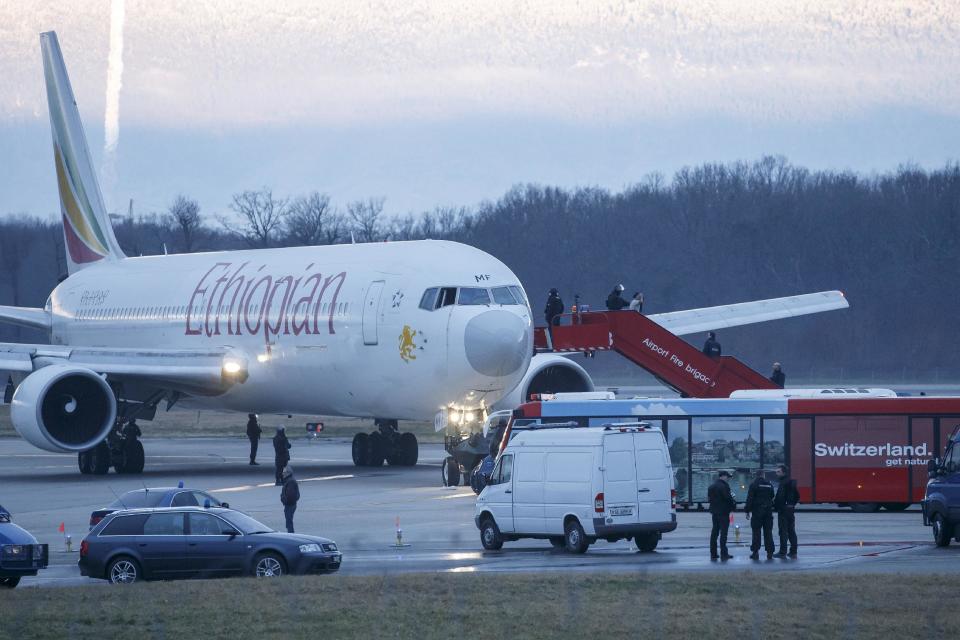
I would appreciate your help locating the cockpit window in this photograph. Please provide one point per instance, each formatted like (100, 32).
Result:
(429, 299)
(448, 296)
(473, 296)
(503, 295)
(518, 294)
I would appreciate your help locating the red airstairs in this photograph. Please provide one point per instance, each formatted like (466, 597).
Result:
(671, 359)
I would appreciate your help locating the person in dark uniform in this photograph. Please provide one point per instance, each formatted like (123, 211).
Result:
(778, 377)
(281, 453)
(553, 309)
(722, 504)
(759, 508)
(615, 301)
(289, 496)
(711, 347)
(785, 504)
(253, 432)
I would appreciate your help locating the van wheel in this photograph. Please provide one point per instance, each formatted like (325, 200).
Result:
(646, 542)
(558, 543)
(450, 472)
(490, 536)
(575, 538)
(942, 531)
(864, 507)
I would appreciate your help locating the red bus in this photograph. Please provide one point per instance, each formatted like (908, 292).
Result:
(863, 452)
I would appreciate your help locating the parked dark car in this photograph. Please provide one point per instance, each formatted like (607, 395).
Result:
(20, 553)
(157, 497)
(941, 504)
(165, 543)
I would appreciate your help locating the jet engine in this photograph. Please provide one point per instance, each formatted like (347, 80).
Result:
(547, 373)
(63, 408)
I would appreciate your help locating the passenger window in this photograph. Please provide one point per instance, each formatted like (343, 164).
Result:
(503, 295)
(473, 296)
(164, 524)
(429, 299)
(125, 526)
(448, 296)
(204, 524)
(184, 499)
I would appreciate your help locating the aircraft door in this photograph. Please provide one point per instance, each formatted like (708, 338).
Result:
(371, 312)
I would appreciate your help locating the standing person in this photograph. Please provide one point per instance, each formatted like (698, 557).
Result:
(253, 433)
(281, 453)
(722, 504)
(554, 309)
(778, 377)
(759, 510)
(615, 301)
(712, 347)
(637, 303)
(289, 496)
(785, 504)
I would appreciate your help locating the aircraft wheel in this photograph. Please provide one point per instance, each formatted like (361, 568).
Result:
(864, 507)
(376, 449)
(450, 472)
(84, 462)
(133, 458)
(409, 449)
(100, 459)
(896, 506)
(359, 449)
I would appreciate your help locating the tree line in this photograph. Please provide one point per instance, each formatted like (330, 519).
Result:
(711, 234)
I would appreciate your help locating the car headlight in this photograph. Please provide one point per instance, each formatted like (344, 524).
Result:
(313, 547)
(12, 549)
(330, 546)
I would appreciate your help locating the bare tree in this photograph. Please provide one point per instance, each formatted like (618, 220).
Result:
(365, 219)
(261, 217)
(307, 219)
(184, 216)
(335, 229)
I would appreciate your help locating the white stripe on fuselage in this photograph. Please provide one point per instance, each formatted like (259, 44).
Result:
(306, 353)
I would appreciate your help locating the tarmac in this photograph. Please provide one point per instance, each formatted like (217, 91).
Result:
(359, 508)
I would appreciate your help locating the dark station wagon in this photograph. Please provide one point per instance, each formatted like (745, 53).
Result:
(169, 543)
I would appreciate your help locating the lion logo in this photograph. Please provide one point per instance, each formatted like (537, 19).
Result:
(407, 345)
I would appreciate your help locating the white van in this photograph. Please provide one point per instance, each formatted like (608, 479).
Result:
(574, 486)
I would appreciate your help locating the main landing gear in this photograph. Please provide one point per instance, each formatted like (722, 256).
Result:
(122, 450)
(386, 444)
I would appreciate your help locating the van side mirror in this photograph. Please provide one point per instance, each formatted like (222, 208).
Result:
(224, 505)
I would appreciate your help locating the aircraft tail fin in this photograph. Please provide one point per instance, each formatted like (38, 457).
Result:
(88, 235)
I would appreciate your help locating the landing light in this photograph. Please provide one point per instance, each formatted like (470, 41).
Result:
(468, 416)
(263, 357)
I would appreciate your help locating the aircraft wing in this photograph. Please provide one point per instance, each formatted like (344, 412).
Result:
(733, 315)
(192, 371)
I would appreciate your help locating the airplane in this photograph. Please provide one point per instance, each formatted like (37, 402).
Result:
(391, 331)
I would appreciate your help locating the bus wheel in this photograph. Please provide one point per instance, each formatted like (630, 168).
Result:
(896, 506)
(941, 531)
(864, 507)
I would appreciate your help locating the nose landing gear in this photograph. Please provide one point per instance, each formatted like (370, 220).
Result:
(386, 444)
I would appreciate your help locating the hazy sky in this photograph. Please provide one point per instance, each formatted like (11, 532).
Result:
(451, 102)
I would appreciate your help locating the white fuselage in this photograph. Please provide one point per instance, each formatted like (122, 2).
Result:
(325, 330)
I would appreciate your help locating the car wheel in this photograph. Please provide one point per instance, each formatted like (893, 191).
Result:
(942, 531)
(646, 542)
(269, 565)
(10, 583)
(490, 536)
(123, 570)
(376, 449)
(359, 449)
(558, 543)
(575, 538)
(864, 507)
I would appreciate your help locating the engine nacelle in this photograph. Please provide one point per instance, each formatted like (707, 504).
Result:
(63, 408)
(548, 373)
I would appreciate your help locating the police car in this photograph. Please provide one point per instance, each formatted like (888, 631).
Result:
(20, 553)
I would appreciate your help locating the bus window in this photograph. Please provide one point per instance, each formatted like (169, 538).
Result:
(724, 442)
(429, 299)
(678, 437)
(473, 296)
(774, 452)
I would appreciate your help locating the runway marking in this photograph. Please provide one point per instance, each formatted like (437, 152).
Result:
(248, 487)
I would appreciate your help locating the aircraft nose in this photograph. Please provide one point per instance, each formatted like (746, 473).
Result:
(497, 343)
